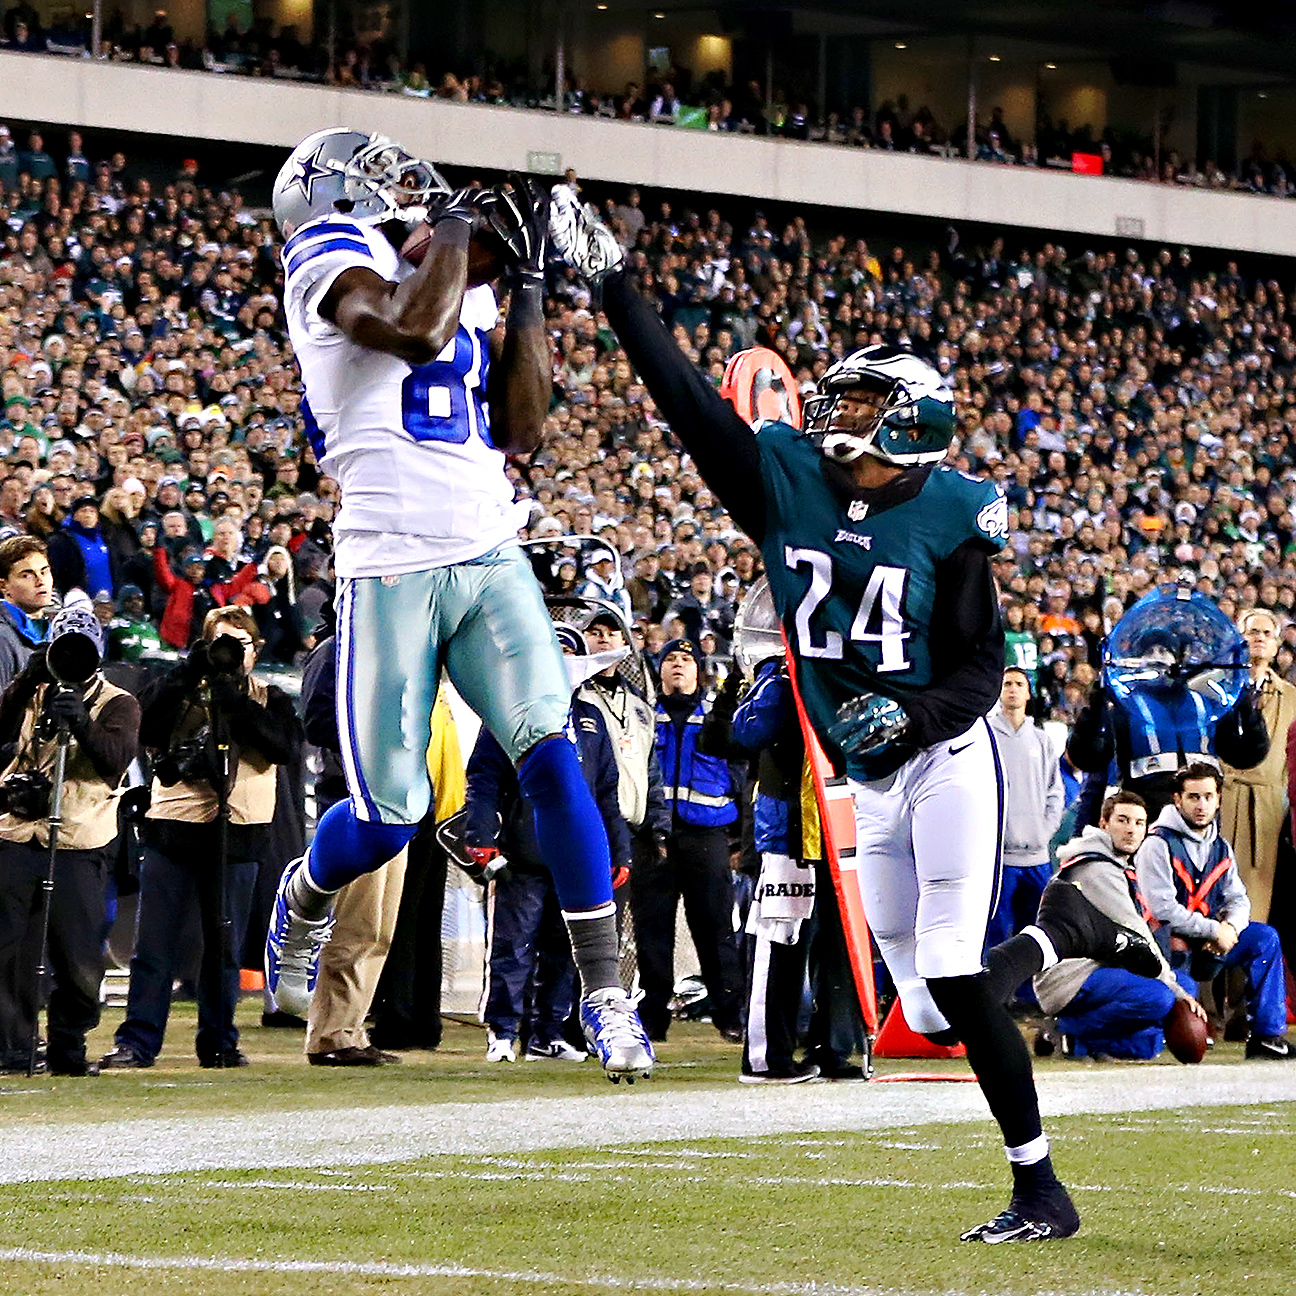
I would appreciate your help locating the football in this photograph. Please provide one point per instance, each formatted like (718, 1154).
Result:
(1185, 1033)
(485, 253)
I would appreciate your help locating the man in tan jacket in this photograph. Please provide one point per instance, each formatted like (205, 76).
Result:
(1254, 800)
(102, 722)
(184, 713)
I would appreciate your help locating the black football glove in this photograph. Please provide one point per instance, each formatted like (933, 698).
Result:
(67, 707)
(519, 216)
(462, 205)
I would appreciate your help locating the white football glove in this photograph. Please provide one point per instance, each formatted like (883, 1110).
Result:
(582, 240)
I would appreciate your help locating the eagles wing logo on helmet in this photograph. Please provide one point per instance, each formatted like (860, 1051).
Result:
(914, 422)
(367, 177)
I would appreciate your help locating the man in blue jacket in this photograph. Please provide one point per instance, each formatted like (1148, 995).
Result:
(530, 976)
(700, 796)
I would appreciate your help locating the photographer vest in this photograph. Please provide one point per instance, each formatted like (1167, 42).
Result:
(251, 800)
(89, 804)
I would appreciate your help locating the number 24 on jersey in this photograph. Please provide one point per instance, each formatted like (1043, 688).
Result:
(879, 619)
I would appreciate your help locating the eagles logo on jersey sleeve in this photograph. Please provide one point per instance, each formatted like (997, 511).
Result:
(979, 505)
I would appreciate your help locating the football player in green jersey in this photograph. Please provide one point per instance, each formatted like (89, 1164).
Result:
(879, 562)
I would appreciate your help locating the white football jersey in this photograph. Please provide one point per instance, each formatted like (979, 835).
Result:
(422, 483)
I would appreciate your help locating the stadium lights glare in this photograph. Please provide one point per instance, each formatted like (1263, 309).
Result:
(1052, 67)
(901, 45)
(994, 58)
(659, 15)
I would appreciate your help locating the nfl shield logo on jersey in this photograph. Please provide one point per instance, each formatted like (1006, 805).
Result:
(857, 510)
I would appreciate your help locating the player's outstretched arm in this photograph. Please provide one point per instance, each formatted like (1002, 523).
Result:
(722, 445)
(967, 649)
(521, 377)
(415, 318)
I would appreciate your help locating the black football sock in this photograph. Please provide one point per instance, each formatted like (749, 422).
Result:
(1011, 964)
(1033, 1180)
(996, 1052)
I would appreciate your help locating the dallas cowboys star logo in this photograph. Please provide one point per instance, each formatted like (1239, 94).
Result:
(308, 171)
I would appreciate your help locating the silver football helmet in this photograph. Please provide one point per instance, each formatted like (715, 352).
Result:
(368, 177)
(914, 424)
(758, 632)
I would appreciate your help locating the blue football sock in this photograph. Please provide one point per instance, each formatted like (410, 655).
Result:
(573, 842)
(346, 848)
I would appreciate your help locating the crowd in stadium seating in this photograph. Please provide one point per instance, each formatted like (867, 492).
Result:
(670, 99)
(1137, 411)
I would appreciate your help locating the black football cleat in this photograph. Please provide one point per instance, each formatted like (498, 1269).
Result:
(1077, 929)
(1039, 1219)
(1272, 1048)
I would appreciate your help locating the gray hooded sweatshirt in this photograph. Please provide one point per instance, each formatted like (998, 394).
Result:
(1033, 796)
(1157, 881)
(1100, 874)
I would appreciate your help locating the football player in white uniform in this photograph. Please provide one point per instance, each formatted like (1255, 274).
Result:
(414, 394)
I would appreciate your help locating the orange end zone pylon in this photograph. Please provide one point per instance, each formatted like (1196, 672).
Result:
(897, 1040)
(837, 824)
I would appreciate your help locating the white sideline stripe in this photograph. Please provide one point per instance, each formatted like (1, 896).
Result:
(314, 1139)
(388, 1269)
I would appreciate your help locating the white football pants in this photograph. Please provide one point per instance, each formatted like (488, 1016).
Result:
(928, 842)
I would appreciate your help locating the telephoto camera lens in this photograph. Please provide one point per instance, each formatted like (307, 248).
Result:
(225, 654)
(72, 658)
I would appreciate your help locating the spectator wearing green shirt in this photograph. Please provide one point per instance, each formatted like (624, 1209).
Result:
(130, 633)
(1021, 649)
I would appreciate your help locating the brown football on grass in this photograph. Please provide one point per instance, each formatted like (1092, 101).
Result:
(1185, 1033)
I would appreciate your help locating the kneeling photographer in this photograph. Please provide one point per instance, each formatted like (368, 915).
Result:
(59, 715)
(217, 735)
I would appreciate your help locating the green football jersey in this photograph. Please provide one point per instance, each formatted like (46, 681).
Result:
(855, 592)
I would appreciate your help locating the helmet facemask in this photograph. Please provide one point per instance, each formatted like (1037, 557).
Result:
(912, 421)
(404, 187)
(846, 445)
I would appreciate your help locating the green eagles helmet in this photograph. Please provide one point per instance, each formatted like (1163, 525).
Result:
(915, 424)
(367, 177)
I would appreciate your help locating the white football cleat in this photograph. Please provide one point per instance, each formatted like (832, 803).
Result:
(616, 1036)
(292, 950)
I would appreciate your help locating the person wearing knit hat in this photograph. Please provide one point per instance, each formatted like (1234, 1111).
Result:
(530, 976)
(701, 803)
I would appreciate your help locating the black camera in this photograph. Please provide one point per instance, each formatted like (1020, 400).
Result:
(186, 762)
(25, 794)
(72, 659)
(222, 656)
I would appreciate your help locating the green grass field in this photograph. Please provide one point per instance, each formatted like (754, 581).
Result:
(1199, 1200)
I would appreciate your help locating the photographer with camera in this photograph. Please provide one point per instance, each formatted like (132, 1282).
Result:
(218, 734)
(58, 710)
